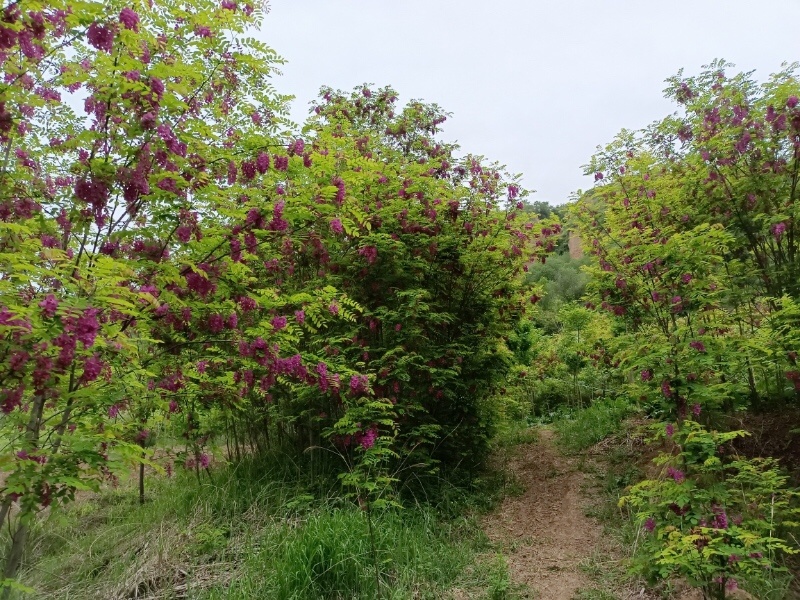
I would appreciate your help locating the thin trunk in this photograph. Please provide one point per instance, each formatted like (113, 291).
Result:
(228, 436)
(236, 440)
(20, 536)
(4, 510)
(14, 559)
(141, 481)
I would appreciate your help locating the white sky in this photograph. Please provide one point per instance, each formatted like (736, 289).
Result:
(533, 84)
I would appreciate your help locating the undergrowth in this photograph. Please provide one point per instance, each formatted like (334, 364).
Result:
(266, 528)
(578, 430)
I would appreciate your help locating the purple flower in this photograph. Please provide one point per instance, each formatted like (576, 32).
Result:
(333, 308)
(86, 327)
(183, 233)
(696, 410)
(341, 190)
(666, 389)
(300, 315)
(248, 169)
(336, 226)
(743, 143)
(205, 460)
(368, 438)
(697, 345)
(215, 323)
(168, 184)
(113, 411)
(49, 305)
(686, 277)
(359, 384)
(18, 360)
(278, 323)
(129, 19)
(247, 303)
(92, 368)
(676, 474)
(322, 370)
(670, 429)
(720, 520)
(101, 37)
(228, 5)
(791, 101)
(650, 524)
(370, 253)
(778, 229)
(647, 375)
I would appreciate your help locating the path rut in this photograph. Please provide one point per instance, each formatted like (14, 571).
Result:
(544, 531)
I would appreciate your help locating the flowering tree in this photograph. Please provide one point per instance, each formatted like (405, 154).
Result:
(98, 210)
(729, 162)
(433, 248)
(694, 225)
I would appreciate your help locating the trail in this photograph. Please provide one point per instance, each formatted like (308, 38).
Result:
(544, 532)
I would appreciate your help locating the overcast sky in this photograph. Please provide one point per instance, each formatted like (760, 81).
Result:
(535, 85)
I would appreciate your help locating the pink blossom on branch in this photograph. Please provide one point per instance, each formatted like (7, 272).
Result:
(101, 37)
(778, 230)
(49, 305)
(129, 19)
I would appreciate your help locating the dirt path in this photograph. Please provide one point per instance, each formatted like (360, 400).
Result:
(544, 532)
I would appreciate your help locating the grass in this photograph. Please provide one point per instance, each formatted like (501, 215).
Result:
(265, 529)
(584, 428)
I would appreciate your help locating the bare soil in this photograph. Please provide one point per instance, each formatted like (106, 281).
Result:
(544, 531)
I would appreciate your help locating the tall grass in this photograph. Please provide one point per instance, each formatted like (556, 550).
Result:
(583, 428)
(264, 528)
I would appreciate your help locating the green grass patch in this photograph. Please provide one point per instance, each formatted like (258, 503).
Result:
(584, 428)
(265, 528)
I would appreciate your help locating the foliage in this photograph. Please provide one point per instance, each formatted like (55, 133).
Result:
(175, 262)
(436, 265)
(692, 221)
(714, 518)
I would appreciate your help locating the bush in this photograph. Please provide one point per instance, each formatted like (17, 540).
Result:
(717, 520)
